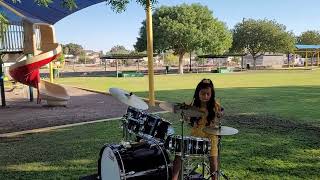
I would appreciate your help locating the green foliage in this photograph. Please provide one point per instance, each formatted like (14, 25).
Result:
(43, 2)
(3, 24)
(260, 36)
(309, 38)
(118, 49)
(61, 58)
(3, 18)
(170, 59)
(116, 5)
(69, 4)
(82, 57)
(65, 49)
(184, 28)
(72, 48)
(121, 5)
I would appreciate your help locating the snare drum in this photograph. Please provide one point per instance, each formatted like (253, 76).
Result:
(139, 161)
(192, 145)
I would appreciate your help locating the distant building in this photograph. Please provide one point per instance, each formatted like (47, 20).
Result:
(69, 58)
(270, 60)
(93, 57)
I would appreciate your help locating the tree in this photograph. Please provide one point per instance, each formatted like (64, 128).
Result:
(4, 23)
(309, 38)
(170, 59)
(185, 28)
(74, 49)
(118, 49)
(260, 36)
(65, 49)
(82, 57)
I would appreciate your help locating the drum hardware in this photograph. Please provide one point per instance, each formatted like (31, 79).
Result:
(190, 173)
(185, 111)
(219, 132)
(182, 146)
(178, 108)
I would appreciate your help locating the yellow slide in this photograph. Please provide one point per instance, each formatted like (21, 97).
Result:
(54, 94)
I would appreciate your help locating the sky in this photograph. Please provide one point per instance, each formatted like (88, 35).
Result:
(99, 28)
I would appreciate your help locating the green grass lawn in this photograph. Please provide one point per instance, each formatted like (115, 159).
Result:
(277, 114)
(291, 94)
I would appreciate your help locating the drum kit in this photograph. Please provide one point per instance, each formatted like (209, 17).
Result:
(147, 157)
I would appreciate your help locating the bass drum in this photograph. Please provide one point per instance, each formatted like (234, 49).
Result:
(139, 161)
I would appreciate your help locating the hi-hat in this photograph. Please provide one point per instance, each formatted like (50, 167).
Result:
(222, 131)
(128, 98)
(187, 110)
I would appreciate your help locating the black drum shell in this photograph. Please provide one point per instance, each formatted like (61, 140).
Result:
(140, 157)
(192, 145)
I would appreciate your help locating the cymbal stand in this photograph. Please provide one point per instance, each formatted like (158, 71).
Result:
(125, 123)
(219, 172)
(204, 166)
(124, 128)
(182, 147)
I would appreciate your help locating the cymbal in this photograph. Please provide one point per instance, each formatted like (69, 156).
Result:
(128, 98)
(222, 131)
(187, 110)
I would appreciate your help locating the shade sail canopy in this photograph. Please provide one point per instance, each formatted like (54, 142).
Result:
(51, 14)
(220, 56)
(125, 56)
(307, 47)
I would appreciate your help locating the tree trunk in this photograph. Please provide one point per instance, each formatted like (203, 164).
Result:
(254, 62)
(181, 63)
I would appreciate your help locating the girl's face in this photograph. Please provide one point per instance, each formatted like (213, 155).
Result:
(205, 94)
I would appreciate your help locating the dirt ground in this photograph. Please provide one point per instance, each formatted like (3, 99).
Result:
(21, 114)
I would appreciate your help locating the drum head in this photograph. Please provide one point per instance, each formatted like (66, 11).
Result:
(110, 168)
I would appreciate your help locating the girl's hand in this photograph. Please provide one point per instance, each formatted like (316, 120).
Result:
(220, 113)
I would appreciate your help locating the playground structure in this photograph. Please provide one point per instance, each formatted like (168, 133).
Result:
(55, 12)
(306, 50)
(38, 48)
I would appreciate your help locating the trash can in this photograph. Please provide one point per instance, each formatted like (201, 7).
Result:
(167, 69)
(55, 73)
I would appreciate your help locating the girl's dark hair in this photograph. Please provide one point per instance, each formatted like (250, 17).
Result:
(204, 84)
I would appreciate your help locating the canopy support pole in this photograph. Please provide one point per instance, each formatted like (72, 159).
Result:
(306, 59)
(150, 53)
(3, 97)
(318, 59)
